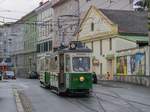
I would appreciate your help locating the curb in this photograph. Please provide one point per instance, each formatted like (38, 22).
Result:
(18, 101)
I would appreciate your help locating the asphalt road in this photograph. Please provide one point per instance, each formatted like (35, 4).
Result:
(106, 97)
(7, 102)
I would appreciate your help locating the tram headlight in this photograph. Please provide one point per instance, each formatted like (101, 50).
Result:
(82, 78)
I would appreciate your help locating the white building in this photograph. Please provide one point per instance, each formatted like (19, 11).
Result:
(1, 44)
(6, 40)
(45, 25)
(17, 48)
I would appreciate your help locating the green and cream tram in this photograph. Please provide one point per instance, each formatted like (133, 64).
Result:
(68, 70)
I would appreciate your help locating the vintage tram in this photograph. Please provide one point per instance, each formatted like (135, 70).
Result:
(67, 70)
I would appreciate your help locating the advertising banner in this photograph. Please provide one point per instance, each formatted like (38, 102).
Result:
(131, 65)
(122, 65)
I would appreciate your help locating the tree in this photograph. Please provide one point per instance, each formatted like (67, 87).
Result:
(147, 4)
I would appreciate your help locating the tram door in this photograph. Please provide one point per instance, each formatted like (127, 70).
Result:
(61, 69)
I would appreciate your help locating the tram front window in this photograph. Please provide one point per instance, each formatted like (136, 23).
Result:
(81, 64)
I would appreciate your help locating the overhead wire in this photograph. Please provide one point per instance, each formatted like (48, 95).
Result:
(36, 22)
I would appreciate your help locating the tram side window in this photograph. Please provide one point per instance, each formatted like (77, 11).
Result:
(68, 66)
(53, 64)
(46, 64)
(42, 65)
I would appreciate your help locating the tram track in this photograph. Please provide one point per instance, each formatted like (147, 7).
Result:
(106, 94)
(99, 99)
(117, 96)
(81, 105)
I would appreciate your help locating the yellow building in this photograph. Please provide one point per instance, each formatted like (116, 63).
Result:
(107, 31)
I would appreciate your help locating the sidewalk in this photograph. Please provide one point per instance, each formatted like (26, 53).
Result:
(7, 100)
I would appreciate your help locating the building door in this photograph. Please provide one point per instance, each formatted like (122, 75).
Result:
(61, 69)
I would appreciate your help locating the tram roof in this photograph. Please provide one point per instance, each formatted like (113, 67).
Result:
(67, 50)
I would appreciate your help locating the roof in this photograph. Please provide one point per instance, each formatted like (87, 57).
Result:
(128, 21)
(58, 2)
(136, 38)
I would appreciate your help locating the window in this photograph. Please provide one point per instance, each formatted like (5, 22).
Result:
(101, 68)
(50, 45)
(68, 66)
(92, 45)
(92, 26)
(38, 48)
(41, 47)
(81, 64)
(110, 44)
(101, 49)
(45, 46)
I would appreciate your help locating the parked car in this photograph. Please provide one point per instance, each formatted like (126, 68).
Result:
(1, 75)
(33, 75)
(94, 78)
(10, 75)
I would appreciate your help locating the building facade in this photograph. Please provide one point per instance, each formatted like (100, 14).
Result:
(45, 30)
(30, 40)
(107, 31)
(6, 41)
(66, 21)
(17, 52)
(1, 44)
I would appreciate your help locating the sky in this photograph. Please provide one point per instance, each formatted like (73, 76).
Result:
(15, 9)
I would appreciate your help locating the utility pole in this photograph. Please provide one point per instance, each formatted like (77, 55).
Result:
(59, 31)
(78, 9)
(149, 36)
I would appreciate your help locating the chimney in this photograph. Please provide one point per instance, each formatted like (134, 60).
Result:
(41, 3)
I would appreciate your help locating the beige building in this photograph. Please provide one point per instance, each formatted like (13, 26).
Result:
(107, 31)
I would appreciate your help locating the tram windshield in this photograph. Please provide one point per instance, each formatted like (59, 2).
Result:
(81, 64)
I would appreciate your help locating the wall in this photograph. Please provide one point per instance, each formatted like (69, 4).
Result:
(137, 72)
(45, 15)
(121, 44)
(68, 8)
(17, 50)
(30, 41)
(65, 26)
(30, 34)
(117, 44)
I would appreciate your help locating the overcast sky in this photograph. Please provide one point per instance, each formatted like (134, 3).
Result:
(16, 8)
